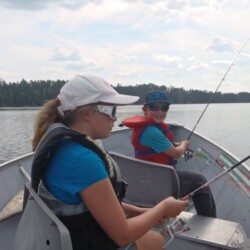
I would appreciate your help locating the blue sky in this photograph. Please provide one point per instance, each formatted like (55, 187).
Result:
(181, 43)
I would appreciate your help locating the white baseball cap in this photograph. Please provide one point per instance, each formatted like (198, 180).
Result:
(82, 90)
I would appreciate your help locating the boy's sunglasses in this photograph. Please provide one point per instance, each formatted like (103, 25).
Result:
(158, 106)
(107, 110)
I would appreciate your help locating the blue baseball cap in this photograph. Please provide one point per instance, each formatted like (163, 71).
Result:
(156, 96)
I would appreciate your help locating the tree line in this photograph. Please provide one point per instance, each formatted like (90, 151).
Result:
(36, 93)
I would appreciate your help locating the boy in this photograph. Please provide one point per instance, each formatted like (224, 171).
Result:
(153, 141)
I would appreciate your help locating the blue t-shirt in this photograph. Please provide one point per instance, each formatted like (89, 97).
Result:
(153, 138)
(72, 169)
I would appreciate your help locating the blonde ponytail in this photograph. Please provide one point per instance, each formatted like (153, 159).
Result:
(48, 114)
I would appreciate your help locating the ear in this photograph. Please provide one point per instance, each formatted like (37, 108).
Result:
(86, 115)
(144, 110)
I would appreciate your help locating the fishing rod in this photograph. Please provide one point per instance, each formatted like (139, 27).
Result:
(177, 224)
(223, 78)
(216, 178)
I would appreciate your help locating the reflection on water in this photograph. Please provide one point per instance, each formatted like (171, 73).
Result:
(225, 124)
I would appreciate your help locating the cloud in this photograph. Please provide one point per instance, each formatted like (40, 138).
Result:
(191, 59)
(176, 5)
(199, 3)
(171, 64)
(245, 55)
(169, 60)
(35, 5)
(221, 62)
(198, 65)
(219, 44)
(83, 66)
(133, 74)
(24, 5)
(64, 55)
(123, 57)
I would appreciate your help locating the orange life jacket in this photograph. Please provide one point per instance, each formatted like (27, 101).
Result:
(139, 123)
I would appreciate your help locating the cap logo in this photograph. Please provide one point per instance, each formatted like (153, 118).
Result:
(106, 83)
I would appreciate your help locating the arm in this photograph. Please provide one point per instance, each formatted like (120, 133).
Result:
(106, 209)
(154, 138)
(176, 152)
(131, 210)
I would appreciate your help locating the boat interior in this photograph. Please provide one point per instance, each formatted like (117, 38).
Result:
(36, 227)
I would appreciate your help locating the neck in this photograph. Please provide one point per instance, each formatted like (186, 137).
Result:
(83, 129)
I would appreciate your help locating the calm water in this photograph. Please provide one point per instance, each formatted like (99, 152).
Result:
(226, 124)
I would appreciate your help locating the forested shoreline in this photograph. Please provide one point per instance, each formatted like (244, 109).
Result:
(35, 93)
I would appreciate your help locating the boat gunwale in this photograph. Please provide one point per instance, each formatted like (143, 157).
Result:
(10, 162)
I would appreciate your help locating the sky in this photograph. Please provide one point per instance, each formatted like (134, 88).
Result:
(188, 44)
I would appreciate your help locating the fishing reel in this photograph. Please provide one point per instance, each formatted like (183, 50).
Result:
(169, 227)
(188, 154)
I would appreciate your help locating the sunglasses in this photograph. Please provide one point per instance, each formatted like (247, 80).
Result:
(158, 106)
(107, 110)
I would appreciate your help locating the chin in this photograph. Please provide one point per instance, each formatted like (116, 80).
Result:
(158, 120)
(105, 136)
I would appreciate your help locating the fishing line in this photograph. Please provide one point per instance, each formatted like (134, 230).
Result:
(216, 178)
(223, 78)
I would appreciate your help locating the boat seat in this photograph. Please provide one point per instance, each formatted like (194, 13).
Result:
(148, 182)
(39, 228)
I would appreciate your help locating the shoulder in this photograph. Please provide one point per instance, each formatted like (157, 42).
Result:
(150, 132)
(71, 151)
(76, 160)
(152, 129)
(71, 146)
(137, 121)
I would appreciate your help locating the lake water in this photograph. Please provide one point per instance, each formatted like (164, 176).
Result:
(228, 125)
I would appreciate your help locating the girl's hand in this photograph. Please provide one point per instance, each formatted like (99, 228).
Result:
(174, 207)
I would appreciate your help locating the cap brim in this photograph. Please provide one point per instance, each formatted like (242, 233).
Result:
(120, 99)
